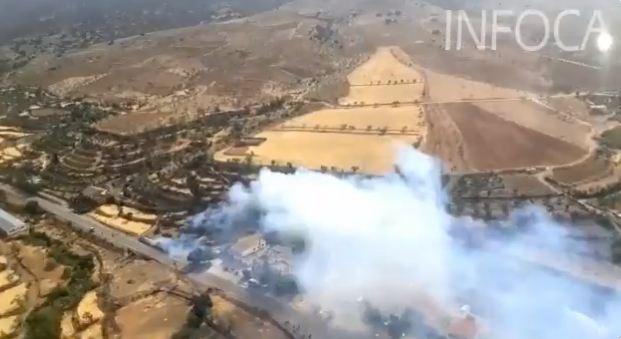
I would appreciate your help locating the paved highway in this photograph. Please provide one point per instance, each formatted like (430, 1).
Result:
(279, 311)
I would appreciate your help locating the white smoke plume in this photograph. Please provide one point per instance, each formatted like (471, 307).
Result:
(388, 241)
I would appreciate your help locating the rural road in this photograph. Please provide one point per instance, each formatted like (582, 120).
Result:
(279, 311)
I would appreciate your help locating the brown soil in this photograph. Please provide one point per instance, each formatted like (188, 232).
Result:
(493, 143)
(155, 317)
(242, 324)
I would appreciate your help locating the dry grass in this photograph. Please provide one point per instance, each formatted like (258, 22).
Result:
(449, 88)
(371, 154)
(384, 94)
(393, 118)
(384, 79)
(364, 138)
(383, 67)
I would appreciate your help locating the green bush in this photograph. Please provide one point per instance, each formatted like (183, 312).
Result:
(44, 323)
(612, 138)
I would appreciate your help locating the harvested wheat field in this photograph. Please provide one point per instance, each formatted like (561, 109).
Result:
(383, 94)
(130, 213)
(450, 88)
(155, 317)
(394, 119)
(10, 154)
(370, 154)
(492, 143)
(361, 139)
(109, 215)
(384, 79)
(383, 66)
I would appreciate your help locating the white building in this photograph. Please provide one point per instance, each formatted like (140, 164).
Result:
(10, 226)
(247, 246)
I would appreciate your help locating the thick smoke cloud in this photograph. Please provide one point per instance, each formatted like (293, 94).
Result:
(389, 242)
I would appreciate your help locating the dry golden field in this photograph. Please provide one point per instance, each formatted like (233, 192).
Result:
(129, 221)
(363, 138)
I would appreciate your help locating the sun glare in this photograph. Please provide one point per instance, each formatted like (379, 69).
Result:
(604, 42)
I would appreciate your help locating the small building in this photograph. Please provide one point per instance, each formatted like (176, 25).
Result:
(247, 246)
(10, 226)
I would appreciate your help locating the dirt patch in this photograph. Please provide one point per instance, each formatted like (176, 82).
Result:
(241, 323)
(37, 261)
(138, 276)
(133, 123)
(155, 317)
(492, 143)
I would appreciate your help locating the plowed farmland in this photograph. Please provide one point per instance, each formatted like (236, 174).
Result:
(493, 143)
